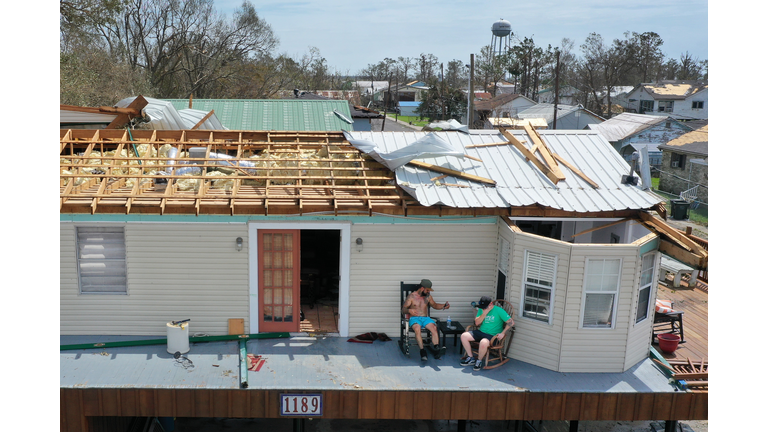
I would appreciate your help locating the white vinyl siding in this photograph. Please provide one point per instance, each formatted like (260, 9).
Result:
(101, 260)
(459, 259)
(538, 342)
(175, 271)
(538, 290)
(601, 287)
(598, 350)
(640, 333)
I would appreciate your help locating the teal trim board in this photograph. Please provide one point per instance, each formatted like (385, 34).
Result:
(650, 246)
(391, 220)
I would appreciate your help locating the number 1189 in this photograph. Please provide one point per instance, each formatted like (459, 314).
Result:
(301, 404)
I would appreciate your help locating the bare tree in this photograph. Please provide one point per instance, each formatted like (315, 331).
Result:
(183, 46)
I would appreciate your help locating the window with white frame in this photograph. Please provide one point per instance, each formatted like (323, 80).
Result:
(101, 260)
(646, 281)
(666, 105)
(539, 285)
(601, 292)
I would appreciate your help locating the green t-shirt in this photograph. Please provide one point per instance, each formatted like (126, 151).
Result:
(494, 322)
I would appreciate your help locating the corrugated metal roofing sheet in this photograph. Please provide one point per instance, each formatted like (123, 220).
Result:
(519, 182)
(626, 124)
(274, 114)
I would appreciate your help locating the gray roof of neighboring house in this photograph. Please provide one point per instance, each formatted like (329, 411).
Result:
(626, 124)
(694, 142)
(518, 181)
(546, 111)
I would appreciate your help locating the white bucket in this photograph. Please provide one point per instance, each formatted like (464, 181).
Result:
(178, 337)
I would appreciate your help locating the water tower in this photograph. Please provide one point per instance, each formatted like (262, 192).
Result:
(501, 39)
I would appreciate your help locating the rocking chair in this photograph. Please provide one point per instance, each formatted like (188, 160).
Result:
(498, 349)
(407, 334)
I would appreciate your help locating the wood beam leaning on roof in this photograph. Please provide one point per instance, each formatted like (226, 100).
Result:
(554, 177)
(675, 243)
(451, 172)
(124, 115)
(545, 152)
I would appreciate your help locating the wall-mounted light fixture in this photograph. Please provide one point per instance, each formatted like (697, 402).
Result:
(239, 243)
(359, 243)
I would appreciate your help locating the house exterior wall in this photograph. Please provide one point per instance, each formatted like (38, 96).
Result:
(597, 350)
(361, 124)
(640, 333)
(681, 107)
(537, 342)
(575, 120)
(459, 259)
(175, 271)
(193, 271)
(675, 180)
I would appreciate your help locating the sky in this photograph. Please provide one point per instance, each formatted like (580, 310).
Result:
(353, 34)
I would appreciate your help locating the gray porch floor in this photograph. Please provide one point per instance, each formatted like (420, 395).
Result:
(325, 363)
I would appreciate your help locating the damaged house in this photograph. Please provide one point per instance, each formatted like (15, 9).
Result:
(540, 218)
(214, 226)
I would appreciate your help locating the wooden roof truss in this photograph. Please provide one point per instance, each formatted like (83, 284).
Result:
(121, 171)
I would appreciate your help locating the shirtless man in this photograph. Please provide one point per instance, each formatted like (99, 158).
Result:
(416, 306)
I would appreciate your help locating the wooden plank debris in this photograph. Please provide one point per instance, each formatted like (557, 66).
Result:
(575, 170)
(451, 172)
(554, 177)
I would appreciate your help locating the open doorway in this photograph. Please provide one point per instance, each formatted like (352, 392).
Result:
(320, 259)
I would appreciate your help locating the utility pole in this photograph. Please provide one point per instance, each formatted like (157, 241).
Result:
(442, 91)
(389, 92)
(557, 83)
(471, 90)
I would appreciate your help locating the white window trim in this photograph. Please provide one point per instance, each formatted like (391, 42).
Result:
(654, 277)
(584, 293)
(525, 282)
(77, 257)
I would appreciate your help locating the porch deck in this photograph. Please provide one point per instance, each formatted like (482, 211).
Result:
(327, 363)
(694, 303)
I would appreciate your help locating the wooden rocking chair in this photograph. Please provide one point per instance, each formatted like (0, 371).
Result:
(497, 350)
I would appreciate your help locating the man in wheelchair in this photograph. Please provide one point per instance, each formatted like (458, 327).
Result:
(416, 307)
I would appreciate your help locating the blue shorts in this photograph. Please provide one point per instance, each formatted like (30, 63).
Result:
(422, 321)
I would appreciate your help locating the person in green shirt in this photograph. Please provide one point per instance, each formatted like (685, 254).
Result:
(491, 320)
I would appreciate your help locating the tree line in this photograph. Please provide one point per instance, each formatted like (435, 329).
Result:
(111, 49)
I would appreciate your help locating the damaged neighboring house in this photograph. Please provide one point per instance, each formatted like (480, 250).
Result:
(683, 100)
(684, 166)
(502, 106)
(219, 225)
(629, 132)
(138, 112)
(568, 117)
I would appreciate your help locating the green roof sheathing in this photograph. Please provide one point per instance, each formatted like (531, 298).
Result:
(275, 114)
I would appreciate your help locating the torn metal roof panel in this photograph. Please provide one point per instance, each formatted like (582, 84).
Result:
(518, 182)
